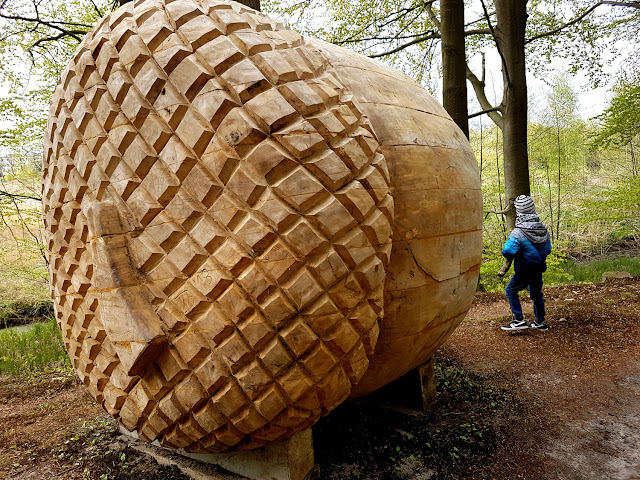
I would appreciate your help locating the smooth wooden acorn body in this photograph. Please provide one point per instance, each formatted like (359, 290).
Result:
(219, 215)
(437, 229)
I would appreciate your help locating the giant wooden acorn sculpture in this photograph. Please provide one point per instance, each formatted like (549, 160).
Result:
(246, 227)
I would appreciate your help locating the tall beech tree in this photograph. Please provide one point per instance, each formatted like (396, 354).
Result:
(509, 36)
(454, 62)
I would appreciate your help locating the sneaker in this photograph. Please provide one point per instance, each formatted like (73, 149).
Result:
(515, 325)
(542, 325)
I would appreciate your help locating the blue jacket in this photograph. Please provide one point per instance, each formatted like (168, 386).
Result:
(528, 244)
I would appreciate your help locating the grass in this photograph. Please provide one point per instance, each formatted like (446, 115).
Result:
(23, 351)
(23, 311)
(591, 271)
(24, 294)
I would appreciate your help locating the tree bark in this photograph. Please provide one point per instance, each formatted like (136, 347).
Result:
(454, 82)
(510, 40)
(255, 4)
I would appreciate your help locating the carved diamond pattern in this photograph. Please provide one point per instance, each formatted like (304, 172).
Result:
(253, 211)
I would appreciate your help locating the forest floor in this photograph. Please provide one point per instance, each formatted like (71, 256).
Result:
(560, 404)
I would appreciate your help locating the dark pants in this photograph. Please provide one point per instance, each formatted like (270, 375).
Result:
(533, 282)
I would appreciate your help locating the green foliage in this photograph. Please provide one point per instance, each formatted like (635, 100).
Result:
(491, 263)
(38, 38)
(557, 268)
(593, 191)
(25, 350)
(620, 122)
(21, 311)
(570, 30)
(24, 291)
(556, 142)
(560, 270)
(620, 202)
(585, 45)
(563, 102)
(21, 229)
(455, 381)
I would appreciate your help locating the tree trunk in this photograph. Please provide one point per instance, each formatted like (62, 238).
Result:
(454, 82)
(255, 4)
(559, 181)
(510, 36)
(551, 225)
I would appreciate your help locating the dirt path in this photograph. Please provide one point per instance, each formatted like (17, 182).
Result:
(561, 404)
(583, 375)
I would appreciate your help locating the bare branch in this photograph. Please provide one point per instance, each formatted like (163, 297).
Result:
(3, 221)
(48, 23)
(477, 20)
(396, 16)
(75, 34)
(494, 112)
(478, 31)
(635, 5)
(63, 27)
(488, 110)
(404, 37)
(478, 88)
(17, 196)
(432, 16)
(423, 38)
(500, 212)
(408, 24)
(382, 39)
(97, 10)
(392, 17)
(25, 224)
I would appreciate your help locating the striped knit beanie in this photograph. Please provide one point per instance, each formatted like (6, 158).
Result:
(524, 205)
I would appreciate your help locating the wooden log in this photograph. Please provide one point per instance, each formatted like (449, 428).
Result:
(219, 210)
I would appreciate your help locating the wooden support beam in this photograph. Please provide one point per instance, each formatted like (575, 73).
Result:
(292, 459)
(289, 460)
(428, 383)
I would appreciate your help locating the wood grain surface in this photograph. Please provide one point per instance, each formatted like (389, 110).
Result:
(437, 229)
(219, 201)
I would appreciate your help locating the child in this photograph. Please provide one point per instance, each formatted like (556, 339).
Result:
(528, 244)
